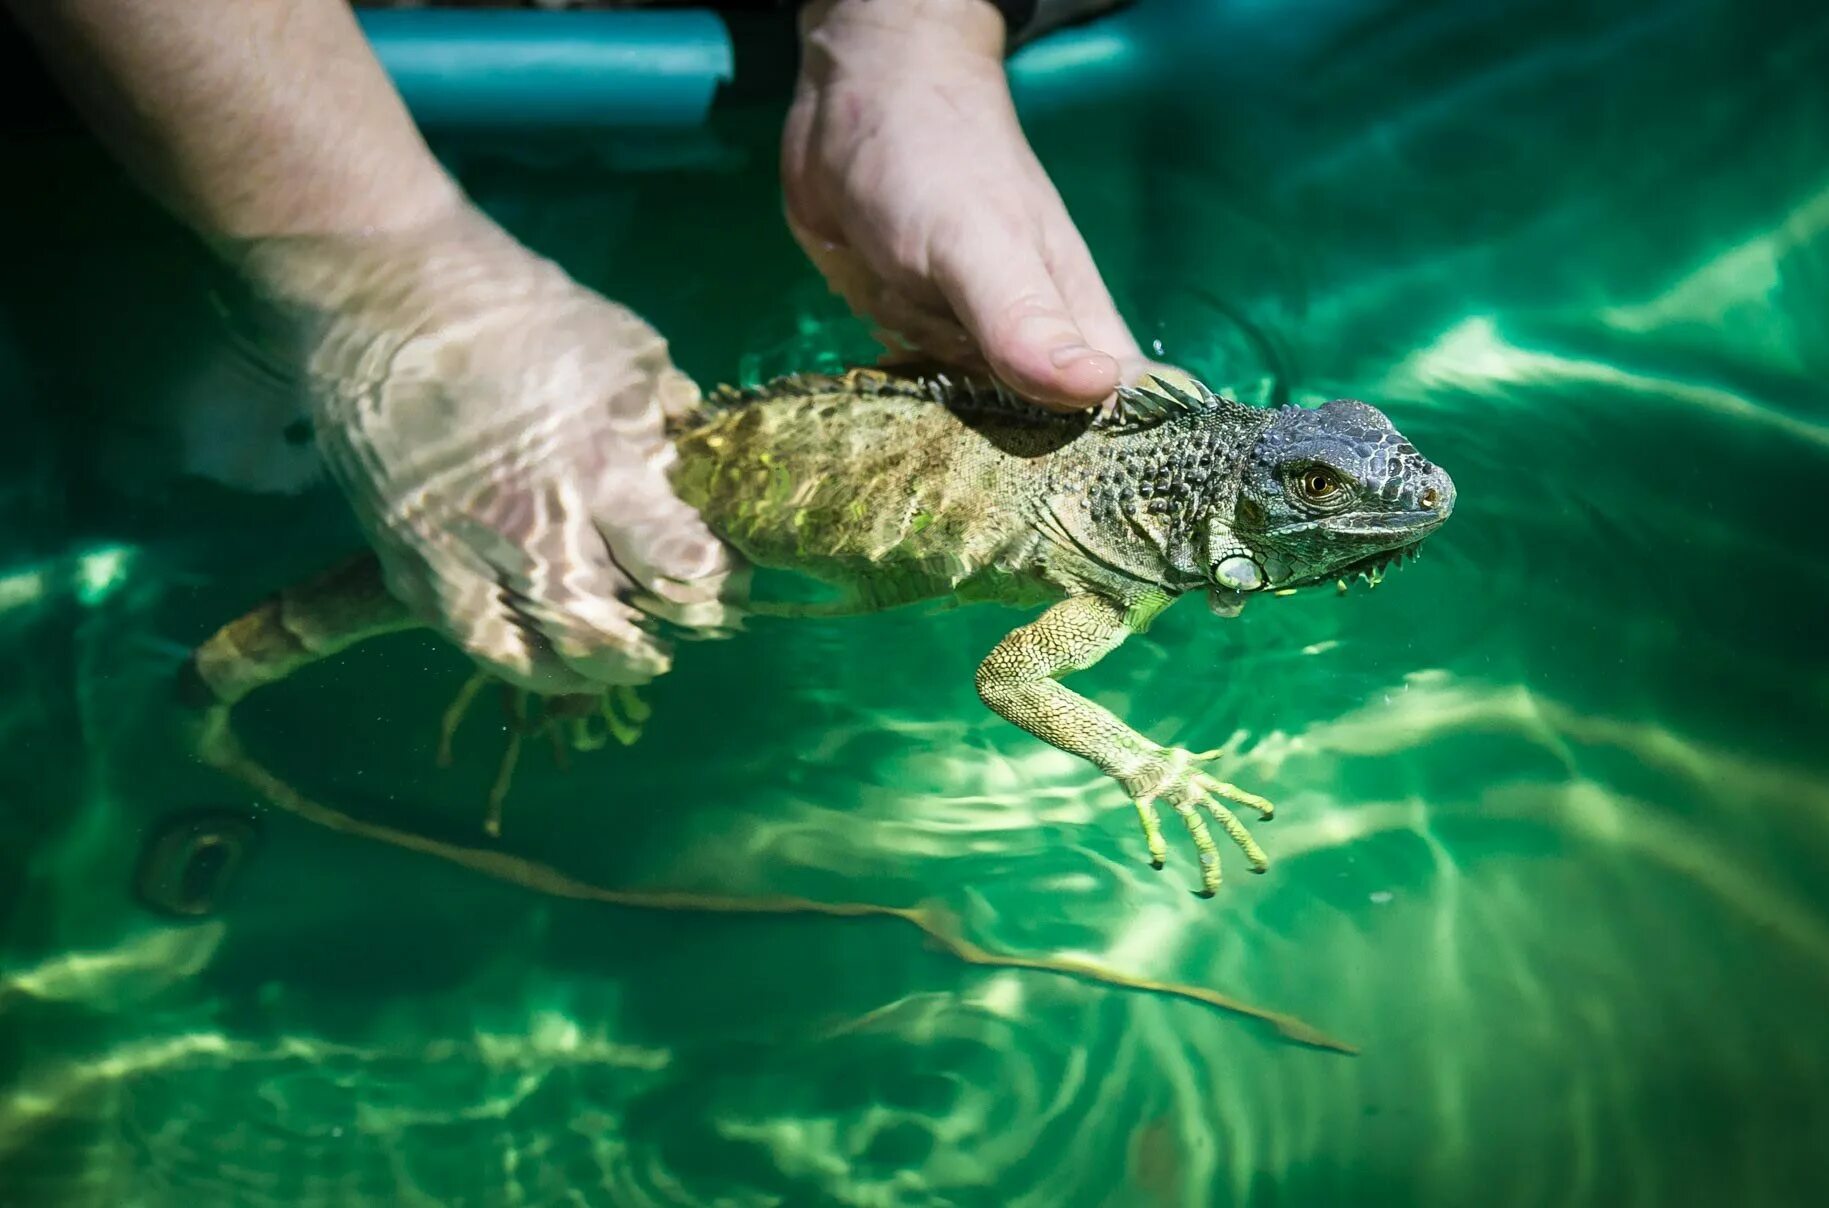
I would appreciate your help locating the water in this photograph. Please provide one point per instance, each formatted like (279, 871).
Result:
(1554, 807)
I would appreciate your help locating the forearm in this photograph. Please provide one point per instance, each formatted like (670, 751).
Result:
(1018, 681)
(250, 119)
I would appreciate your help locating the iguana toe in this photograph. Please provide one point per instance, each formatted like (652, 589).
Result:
(1174, 776)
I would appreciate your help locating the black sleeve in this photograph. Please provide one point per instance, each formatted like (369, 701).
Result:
(1026, 20)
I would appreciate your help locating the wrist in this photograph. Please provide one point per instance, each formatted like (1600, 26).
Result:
(452, 252)
(843, 28)
(402, 214)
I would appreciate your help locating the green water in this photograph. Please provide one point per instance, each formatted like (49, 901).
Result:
(1554, 801)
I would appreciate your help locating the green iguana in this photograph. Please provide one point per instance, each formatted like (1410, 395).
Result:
(906, 485)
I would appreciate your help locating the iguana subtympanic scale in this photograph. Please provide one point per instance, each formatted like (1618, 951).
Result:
(896, 486)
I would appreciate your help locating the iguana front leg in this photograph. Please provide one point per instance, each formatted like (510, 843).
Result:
(1019, 681)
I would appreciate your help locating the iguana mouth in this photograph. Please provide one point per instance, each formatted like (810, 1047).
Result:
(1368, 570)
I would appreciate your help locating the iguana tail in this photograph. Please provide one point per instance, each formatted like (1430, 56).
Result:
(350, 603)
(292, 629)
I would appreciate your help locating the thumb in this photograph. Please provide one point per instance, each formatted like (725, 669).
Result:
(1005, 296)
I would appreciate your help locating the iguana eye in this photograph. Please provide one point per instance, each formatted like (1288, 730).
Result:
(1317, 487)
(1315, 483)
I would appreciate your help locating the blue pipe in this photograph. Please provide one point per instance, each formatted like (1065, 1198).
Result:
(1082, 65)
(531, 69)
(623, 69)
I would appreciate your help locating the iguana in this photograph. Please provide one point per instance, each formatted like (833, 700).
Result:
(892, 486)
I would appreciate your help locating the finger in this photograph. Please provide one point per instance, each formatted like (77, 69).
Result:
(1005, 296)
(906, 322)
(577, 597)
(668, 560)
(677, 568)
(803, 203)
(532, 587)
(523, 572)
(845, 272)
(461, 598)
(937, 334)
(677, 394)
(899, 353)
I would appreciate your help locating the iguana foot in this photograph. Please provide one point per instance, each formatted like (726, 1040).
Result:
(565, 720)
(1173, 775)
(625, 713)
(455, 712)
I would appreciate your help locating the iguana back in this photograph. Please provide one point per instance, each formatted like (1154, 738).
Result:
(893, 486)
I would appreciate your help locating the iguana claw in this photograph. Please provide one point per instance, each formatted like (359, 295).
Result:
(565, 720)
(1174, 776)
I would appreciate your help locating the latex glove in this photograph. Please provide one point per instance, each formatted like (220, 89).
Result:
(498, 430)
(909, 183)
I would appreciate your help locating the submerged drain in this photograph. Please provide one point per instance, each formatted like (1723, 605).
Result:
(190, 862)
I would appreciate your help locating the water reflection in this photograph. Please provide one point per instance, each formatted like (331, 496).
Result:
(1552, 802)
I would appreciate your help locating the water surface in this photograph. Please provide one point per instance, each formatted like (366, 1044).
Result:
(1554, 801)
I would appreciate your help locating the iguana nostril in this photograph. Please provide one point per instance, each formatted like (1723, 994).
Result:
(1432, 498)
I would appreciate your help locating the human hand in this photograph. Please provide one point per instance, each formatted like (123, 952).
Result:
(909, 183)
(498, 429)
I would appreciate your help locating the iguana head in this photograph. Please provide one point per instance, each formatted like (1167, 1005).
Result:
(1330, 493)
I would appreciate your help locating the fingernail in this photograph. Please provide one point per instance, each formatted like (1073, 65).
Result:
(1067, 354)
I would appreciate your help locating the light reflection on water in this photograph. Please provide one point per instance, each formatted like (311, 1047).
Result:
(1552, 801)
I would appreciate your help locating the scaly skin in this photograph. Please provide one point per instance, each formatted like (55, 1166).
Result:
(896, 486)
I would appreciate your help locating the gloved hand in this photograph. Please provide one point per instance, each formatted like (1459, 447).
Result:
(909, 183)
(498, 429)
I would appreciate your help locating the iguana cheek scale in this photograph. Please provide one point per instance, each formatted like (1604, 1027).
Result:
(891, 487)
